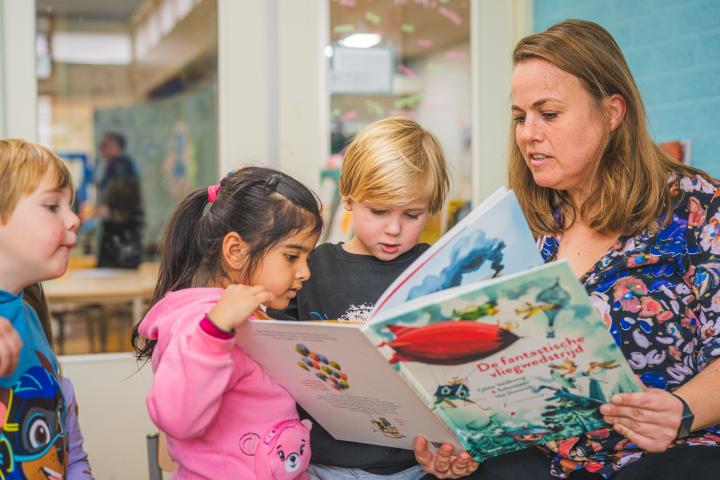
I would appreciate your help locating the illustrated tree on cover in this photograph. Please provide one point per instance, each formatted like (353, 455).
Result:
(489, 436)
(571, 411)
(625, 384)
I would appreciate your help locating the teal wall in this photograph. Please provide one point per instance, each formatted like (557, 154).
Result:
(174, 143)
(673, 49)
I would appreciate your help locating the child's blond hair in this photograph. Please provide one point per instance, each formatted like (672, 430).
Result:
(393, 161)
(22, 167)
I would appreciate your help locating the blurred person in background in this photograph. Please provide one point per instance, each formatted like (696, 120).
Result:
(120, 206)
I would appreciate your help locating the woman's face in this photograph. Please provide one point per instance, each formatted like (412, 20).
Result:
(559, 127)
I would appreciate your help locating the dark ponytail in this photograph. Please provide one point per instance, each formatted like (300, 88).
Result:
(264, 206)
(181, 255)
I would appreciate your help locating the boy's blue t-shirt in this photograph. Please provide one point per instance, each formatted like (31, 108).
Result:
(32, 407)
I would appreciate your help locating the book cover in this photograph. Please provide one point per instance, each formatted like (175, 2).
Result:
(507, 363)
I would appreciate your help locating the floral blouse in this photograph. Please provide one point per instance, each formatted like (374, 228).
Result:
(658, 294)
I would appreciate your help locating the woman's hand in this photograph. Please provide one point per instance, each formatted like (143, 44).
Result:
(442, 463)
(10, 346)
(237, 303)
(649, 419)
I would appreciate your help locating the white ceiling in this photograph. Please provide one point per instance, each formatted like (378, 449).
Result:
(425, 17)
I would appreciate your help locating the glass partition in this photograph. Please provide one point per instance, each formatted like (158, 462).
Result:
(127, 95)
(401, 57)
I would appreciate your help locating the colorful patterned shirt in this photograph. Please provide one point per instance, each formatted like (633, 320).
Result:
(658, 294)
(33, 436)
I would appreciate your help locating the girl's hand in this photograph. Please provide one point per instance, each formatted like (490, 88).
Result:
(10, 346)
(649, 419)
(237, 303)
(442, 463)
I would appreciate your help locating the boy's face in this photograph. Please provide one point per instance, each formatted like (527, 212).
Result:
(36, 241)
(386, 232)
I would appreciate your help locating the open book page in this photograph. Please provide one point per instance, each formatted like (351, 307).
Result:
(514, 361)
(492, 240)
(340, 378)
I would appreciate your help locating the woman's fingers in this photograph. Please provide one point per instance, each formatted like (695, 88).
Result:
(651, 399)
(422, 454)
(649, 419)
(443, 463)
(656, 418)
(463, 465)
(653, 406)
(648, 440)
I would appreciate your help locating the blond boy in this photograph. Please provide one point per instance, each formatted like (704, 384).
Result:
(393, 177)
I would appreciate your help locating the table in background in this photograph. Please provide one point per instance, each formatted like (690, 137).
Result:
(100, 287)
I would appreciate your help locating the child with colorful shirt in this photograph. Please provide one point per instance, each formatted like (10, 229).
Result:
(37, 231)
(78, 465)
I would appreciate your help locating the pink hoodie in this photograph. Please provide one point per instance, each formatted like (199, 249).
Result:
(213, 401)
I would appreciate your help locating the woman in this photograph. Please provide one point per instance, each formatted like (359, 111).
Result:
(643, 235)
(601, 195)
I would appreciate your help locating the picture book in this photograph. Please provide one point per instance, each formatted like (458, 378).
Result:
(477, 344)
(519, 360)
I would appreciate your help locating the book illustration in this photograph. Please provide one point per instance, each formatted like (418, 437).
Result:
(549, 301)
(455, 389)
(552, 300)
(475, 249)
(381, 424)
(451, 342)
(564, 373)
(328, 371)
(467, 257)
(483, 438)
(454, 342)
(474, 312)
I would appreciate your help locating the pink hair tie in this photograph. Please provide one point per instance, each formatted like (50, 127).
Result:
(213, 192)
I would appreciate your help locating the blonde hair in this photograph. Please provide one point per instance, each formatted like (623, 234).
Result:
(631, 177)
(394, 161)
(22, 166)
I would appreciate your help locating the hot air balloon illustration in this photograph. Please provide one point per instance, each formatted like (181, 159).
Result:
(447, 343)
(553, 295)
